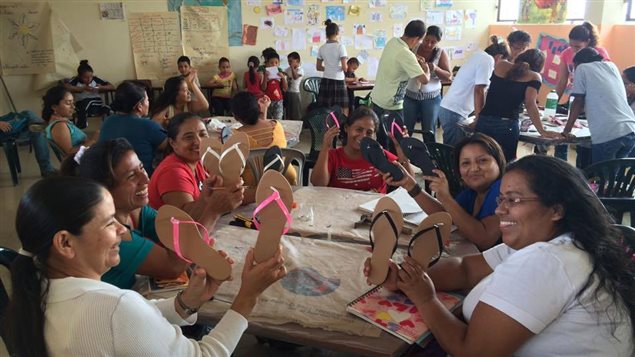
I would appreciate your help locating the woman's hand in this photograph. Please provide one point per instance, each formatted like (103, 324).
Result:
(568, 136)
(552, 135)
(264, 102)
(201, 287)
(191, 76)
(415, 283)
(407, 182)
(330, 134)
(400, 154)
(439, 184)
(393, 275)
(222, 199)
(432, 67)
(5, 127)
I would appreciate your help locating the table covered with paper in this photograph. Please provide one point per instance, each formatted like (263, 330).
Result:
(292, 128)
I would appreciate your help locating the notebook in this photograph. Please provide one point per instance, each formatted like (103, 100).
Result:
(412, 213)
(394, 313)
(165, 285)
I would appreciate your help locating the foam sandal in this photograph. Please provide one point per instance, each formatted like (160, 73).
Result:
(210, 157)
(181, 234)
(418, 154)
(384, 233)
(272, 159)
(274, 199)
(233, 159)
(393, 125)
(375, 155)
(331, 121)
(426, 245)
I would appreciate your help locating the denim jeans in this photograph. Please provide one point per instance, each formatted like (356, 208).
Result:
(426, 111)
(452, 133)
(613, 149)
(382, 137)
(39, 142)
(505, 131)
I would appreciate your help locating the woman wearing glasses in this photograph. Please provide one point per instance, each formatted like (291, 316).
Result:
(560, 284)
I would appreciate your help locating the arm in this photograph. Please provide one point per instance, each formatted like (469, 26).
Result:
(443, 69)
(459, 273)
(425, 77)
(319, 65)
(161, 117)
(532, 109)
(73, 89)
(283, 81)
(563, 71)
(343, 63)
(263, 80)
(295, 73)
(479, 99)
(61, 135)
(105, 87)
(234, 86)
(574, 112)
(200, 104)
(320, 175)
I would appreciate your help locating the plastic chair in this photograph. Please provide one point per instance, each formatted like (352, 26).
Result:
(312, 86)
(628, 239)
(6, 258)
(443, 156)
(614, 183)
(291, 157)
(316, 121)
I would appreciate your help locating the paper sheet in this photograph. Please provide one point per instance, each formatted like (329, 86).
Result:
(375, 17)
(453, 17)
(435, 17)
(470, 18)
(294, 16)
(380, 39)
(111, 11)
(250, 33)
(313, 15)
(453, 33)
(281, 31)
(203, 29)
(335, 13)
(156, 42)
(362, 56)
(412, 212)
(27, 44)
(377, 3)
(298, 39)
(398, 12)
(267, 23)
(397, 30)
(363, 42)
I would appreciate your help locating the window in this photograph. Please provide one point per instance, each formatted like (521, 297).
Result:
(630, 11)
(508, 10)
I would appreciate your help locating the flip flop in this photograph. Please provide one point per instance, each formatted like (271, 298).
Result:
(393, 125)
(384, 232)
(331, 121)
(272, 159)
(180, 233)
(274, 199)
(418, 154)
(375, 155)
(233, 159)
(426, 245)
(209, 156)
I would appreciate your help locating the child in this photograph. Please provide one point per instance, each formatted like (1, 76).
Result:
(85, 88)
(294, 75)
(274, 82)
(331, 60)
(185, 67)
(351, 66)
(225, 86)
(252, 78)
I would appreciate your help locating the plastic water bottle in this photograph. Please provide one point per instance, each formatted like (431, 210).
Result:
(551, 104)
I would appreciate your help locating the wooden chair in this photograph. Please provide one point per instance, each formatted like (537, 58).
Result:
(443, 156)
(291, 157)
(312, 86)
(615, 183)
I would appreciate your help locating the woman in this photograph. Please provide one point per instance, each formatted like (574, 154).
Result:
(59, 306)
(131, 122)
(114, 164)
(177, 98)
(481, 162)
(181, 180)
(263, 133)
(599, 91)
(423, 101)
(628, 76)
(511, 85)
(86, 88)
(59, 107)
(345, 167)
(561, 275)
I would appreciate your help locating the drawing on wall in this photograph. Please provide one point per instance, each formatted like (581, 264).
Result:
(234, 15)
(453, 33)
(542, 11)
(313, 15)
(335, 13)
(295, 2)
(377, 3)
(202, 29)
(250, 33)
(434, 17)
(294, 16)
(552, 47)
(27, 45)
(470, 18)
(398, 12)
(444, 3)
(454, 17)
(375, 17)
(111, 11)
(267, 23)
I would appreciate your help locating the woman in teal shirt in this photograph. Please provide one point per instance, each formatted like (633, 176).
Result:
(114, 164)
(59, 107)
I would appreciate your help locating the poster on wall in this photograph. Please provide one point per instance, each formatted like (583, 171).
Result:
(552, 47)
(294, 16)
(234, 15)
(111, 11)
(335, 13)
(203, 29)
(27, 44)
(156, 42)
(542, 11)
(250, 33)
(313, 14)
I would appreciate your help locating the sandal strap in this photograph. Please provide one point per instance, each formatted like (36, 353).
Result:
(332, 115)
(392, 225)
(418, 235)
(209, 150)
(275, 196)
(176, 239)
(396, 126)
(277, 159)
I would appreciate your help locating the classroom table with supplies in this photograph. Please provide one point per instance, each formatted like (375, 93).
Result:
(362, 85)
(292, 128)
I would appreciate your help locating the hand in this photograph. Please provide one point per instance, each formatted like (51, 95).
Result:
(415, 283)
(431, 66)
(361, 80)
(191, 76)
(201, 287)
(568, 136)
(407, 182)
(266, 74)
(221, 199)
(552, 135)
(472, 125)
(5, 127)
(329, 136)
(439, 184)
(400, 154)
(257, 277)
(391, 279)
(264, 102)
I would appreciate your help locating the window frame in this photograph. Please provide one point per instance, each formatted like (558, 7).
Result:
(629, 8)
(569, 20)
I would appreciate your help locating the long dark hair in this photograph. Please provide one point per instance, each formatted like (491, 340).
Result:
(245, 107)
(45, 209)
(629, 73)
(497, 47)
(253, 62)
(531, 60)
(331, 28)
(127, 96)
(52, 97)
(587, 55)
(168, 96)
(99, 162)
(556, 182)
(586, 32)
(488, 144)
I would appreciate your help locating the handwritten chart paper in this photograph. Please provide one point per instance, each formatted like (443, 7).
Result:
(156, 42)
(204, 30)
(27, 46)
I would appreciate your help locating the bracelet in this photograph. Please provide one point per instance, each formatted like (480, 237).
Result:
(415, 191)
(188, 310)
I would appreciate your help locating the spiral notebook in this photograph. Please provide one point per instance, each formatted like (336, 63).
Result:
(394, 313)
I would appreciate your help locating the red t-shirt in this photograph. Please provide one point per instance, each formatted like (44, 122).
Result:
(274, 90)
(355, 174)
(175, 175)
(254, 88)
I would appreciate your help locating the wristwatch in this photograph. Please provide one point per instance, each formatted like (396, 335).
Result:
(188, 310)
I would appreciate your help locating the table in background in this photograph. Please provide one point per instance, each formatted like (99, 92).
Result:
(292, 128)
(366, 85)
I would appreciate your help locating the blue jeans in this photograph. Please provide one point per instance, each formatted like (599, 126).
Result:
(505, 131)
(452, 133)
(426, 111)
(39, 142)
(613, 149)
(382, 136)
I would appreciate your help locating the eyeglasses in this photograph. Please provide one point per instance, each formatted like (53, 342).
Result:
(514, 201)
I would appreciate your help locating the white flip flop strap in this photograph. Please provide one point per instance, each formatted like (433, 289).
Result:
(274, 161)
(209, 151)
(235, 147)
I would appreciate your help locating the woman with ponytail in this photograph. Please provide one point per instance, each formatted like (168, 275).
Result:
(513, 84)
(599, 91)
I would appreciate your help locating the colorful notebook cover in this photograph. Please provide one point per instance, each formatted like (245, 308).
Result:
(393, 312)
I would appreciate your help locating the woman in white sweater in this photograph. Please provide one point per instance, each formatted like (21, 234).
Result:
(59, 306)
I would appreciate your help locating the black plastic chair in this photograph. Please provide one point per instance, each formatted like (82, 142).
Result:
(316, 121)
(6, 258)
(10, 147)
(614, 182)
(443, 156)
(312, 86)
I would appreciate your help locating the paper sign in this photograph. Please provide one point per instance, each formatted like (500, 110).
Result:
(375, 17)
(313, 15)
(398, 12)
(335, 13)
(202, 34)
(250, 33)
(273, 9)
(294, 16)
(363, 42)
(156, 42)
(470, 18)
(354, 10)
(380, 39)
(453, 17)
(377, 3)
(435, 17)
(295, 2)
(111, 11)
(371, 70)
(298, 39)
(362, 56)
(397, 30)
(459, 52)
(314, 51)
(453, 33)
(359, 29)
(281, 31)
(444, 3)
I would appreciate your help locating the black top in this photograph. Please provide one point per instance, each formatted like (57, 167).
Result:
(505, 96)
